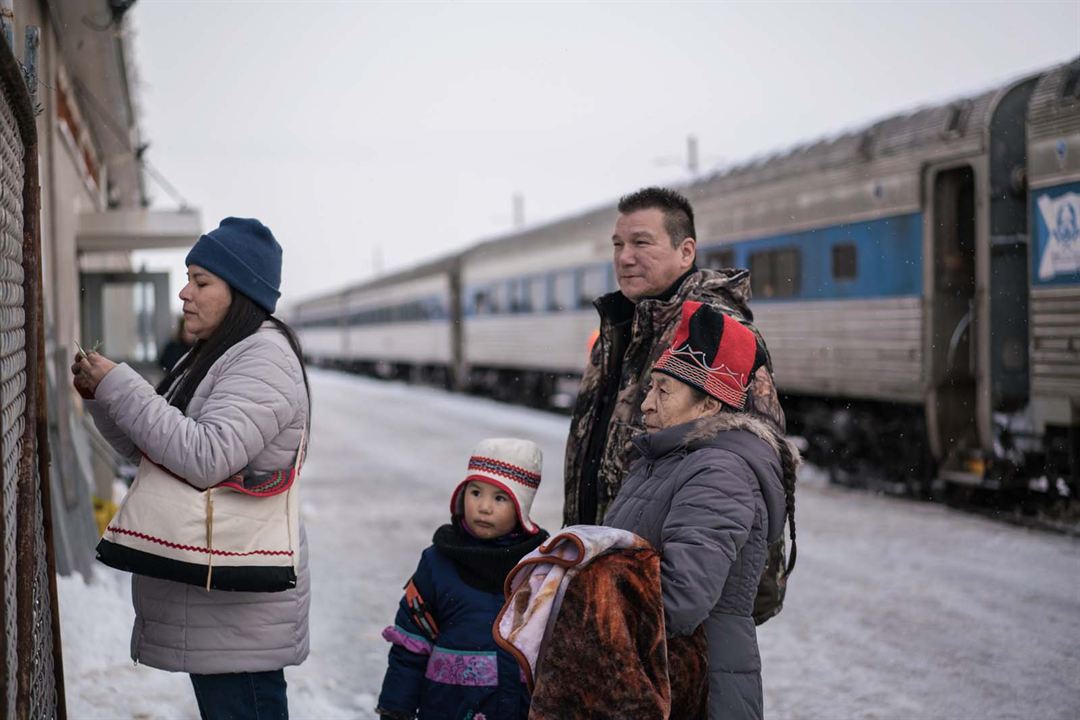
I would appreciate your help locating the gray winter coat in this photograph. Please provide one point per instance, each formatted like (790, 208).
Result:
(249, 411)
(709, 496)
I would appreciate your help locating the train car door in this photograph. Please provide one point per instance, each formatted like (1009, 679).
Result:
(1007, 341)
(949, 247)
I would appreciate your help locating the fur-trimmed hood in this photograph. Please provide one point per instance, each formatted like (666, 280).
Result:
(704, 430)
(739, 433)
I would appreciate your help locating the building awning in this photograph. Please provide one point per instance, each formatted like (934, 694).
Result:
(125, 230)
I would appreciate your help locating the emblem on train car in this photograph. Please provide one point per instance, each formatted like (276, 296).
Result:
(1061, 242)
(1062, 152)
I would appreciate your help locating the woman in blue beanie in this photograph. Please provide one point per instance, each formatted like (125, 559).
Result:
(237, 403)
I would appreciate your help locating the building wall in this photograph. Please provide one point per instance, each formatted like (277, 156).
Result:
(77, 471)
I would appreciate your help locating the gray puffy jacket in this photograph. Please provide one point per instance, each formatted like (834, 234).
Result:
(249, 411)
(709, 496)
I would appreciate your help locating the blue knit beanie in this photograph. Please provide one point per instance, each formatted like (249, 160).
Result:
(243, 253)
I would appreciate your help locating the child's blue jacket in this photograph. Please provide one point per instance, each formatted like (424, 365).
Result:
(444, 663)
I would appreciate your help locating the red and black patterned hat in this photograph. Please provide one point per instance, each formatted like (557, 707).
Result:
(510, 464)
(714, 353)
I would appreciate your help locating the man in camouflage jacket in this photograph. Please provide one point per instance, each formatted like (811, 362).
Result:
(656, 276)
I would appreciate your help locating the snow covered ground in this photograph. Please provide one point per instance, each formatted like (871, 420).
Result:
(896, 609)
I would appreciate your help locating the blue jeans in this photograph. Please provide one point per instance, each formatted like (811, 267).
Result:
(242, 696)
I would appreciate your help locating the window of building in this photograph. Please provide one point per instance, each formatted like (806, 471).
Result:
(775, 273)
(718, 258)
(844, 262)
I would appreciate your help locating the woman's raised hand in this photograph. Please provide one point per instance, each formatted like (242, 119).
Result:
(88, 371)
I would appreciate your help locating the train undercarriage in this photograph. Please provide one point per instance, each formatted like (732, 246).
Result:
(885, 447)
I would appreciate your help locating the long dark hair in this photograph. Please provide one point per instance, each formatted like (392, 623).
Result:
(241, 320)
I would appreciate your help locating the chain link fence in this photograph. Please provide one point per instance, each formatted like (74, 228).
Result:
(32, 670)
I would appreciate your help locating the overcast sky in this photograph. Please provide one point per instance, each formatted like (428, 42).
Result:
(370, 133)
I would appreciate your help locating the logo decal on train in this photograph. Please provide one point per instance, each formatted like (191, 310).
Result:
(1061, 241)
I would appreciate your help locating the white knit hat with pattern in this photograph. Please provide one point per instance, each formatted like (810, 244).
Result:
(510, 464)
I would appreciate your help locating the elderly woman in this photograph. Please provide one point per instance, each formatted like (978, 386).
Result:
(708, 493)
(237, 402)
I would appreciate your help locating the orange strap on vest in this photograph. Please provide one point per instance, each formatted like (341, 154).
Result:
(419, 610)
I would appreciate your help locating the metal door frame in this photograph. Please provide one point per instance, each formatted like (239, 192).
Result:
(93, 321)
(980, 330)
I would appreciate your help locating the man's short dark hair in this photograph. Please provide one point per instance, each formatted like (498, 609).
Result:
(678, 214)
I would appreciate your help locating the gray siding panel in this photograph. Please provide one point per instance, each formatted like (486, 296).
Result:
(1055, 351)
(846, 348)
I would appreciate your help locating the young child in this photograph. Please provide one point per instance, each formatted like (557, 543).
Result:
(444, 663)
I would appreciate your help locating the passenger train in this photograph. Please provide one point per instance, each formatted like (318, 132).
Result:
(917, 282)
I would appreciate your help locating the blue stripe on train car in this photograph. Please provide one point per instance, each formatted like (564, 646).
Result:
(888, 259)
(1055, 219)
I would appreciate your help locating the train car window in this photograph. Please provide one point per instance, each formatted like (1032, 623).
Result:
(513, 296)
(718, 258)
(482, 302)
(761, 280)
(1070, 89)
(775, 273)
(522, 293)
(593, 284)
(436, 309)
(788, 272)
(954, 122)
(562, 292)
(500, 298)
(538, 291)
(844, 262)
(519, 292)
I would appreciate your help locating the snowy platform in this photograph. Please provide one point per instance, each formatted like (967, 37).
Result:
(897, 609)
